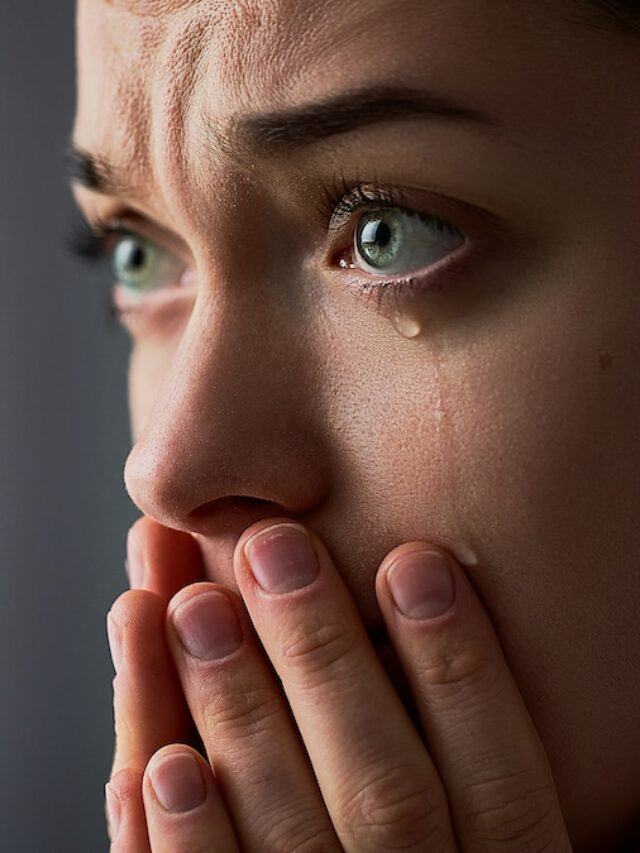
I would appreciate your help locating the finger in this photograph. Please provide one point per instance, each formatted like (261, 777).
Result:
(149, 706)
(184, 808)
(377, 779)
(160, 559)
(125, 813)
(479, 732)
(245, 724)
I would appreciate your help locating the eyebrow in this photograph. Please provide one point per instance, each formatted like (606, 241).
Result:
(304, 125)
(285, 130)
(94, 172)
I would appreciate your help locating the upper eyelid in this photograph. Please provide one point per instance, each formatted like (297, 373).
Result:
(365, 196)
(102, 228)
(341, 200)
(137, 224)
(344, 210)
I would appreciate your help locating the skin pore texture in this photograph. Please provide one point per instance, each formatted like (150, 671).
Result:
(267, 384)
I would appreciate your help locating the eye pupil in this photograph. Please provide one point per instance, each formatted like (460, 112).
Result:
(376, 233)
(137, 257)
(134, 256)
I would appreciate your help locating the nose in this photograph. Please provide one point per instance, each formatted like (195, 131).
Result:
(233, 435)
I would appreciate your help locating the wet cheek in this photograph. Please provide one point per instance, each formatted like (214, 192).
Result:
(501, 442)
(538, 445)
(382, 404)
(545, 473)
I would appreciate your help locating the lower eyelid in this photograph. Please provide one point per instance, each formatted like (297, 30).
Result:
(433, 281)
(165, 310)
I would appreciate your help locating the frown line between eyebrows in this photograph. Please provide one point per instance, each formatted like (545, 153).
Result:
(285, 130)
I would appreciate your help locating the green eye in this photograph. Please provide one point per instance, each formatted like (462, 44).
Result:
(394, 242)
(141, 266)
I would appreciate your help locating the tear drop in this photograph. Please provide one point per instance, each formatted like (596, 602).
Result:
(406, 325)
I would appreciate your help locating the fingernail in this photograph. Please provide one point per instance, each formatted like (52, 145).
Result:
(134, 563)
(113, 811)
(177, 782)
(282, 558)
(421, 584)
(115, 642)
(208, 626)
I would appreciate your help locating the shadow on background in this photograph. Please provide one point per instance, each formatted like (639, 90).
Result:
(63, 440)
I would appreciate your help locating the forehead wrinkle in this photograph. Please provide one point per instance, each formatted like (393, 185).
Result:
(113, 100)
(374, 23)
(245, 26)
(215, 51)
(261, 53)
(266, 50)
(180, 67)
(256, 47)
(256, 50)
(151, 8)
(135, 110)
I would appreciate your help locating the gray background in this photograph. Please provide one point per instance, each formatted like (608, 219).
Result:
(63, 440)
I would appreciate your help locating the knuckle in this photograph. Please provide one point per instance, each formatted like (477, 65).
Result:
(303, 836)
(514, 808)
(402, 809)
(245, 710)
(460, 671)
(317, 648)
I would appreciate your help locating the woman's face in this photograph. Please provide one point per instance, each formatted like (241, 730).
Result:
(314, 342)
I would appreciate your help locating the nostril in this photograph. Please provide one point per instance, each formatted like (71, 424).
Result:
(233, 514)
(231, 503)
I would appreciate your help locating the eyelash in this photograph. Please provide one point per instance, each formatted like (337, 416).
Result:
(340, 201)
(343, 198)
(90, 243)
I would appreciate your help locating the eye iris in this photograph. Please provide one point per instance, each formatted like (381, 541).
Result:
(379, 238)
(132, 263)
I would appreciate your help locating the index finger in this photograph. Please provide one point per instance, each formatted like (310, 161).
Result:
(480, 733)
(149, 706)
(162, 560)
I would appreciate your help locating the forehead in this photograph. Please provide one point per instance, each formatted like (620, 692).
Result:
(151, 8)
(138, 58)
(156, 75)
(272, 32)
